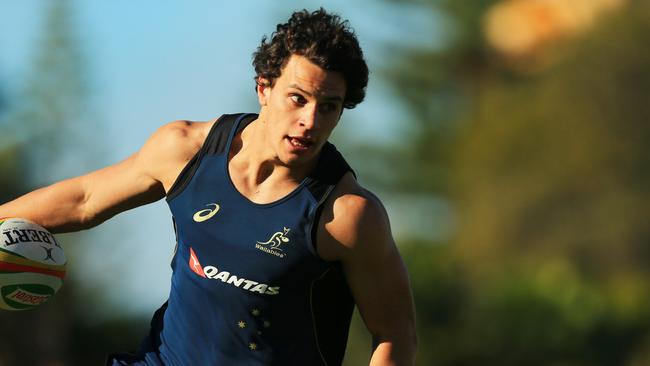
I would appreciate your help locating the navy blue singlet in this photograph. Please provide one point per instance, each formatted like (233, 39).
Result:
(248, 287)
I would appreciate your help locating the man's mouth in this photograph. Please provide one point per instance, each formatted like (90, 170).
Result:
(300, 142)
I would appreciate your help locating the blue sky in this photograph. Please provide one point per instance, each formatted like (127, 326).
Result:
(150, 62)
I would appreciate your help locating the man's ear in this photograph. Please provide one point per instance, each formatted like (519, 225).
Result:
(263, 90)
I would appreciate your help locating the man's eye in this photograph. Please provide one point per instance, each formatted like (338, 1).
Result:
(297, 98)
(328, 107)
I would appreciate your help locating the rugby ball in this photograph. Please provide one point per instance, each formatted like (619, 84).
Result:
(32, 264)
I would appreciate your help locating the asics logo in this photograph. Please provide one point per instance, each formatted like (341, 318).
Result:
(206, 214)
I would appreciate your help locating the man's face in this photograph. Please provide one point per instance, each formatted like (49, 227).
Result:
(301, 109)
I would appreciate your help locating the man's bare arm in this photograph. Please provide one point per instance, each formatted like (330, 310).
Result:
(86, 201)
(376, 275)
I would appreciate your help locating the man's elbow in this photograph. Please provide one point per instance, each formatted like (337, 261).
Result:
(400, 346)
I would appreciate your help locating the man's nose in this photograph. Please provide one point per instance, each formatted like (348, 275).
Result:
(309, 117)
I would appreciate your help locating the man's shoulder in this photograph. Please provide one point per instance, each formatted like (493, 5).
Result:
(178, 139)
(183, 132)
(352, 215)
(172, 146)
(354, 203)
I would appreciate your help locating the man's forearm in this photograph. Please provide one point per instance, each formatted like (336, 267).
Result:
(58, 207)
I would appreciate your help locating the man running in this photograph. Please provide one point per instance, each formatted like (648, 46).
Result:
(276, 240)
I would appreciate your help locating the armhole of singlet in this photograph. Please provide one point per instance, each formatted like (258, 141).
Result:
(215, 143)
(332, 305)
(331, 322)
(322, 190)
(190, 168)
(314, 225)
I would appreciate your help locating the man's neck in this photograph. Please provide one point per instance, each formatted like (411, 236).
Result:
(256, 170)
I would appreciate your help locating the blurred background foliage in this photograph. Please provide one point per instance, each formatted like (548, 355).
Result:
(530, 121)
(37, 128)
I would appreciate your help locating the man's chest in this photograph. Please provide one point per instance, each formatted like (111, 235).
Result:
(223, 241)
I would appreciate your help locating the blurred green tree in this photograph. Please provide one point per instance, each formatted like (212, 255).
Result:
(42, 132)
(546, 169)
(552, 188)
(40, 336)
(46, 117)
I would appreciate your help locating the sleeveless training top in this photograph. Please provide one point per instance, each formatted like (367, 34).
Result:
(248, 287)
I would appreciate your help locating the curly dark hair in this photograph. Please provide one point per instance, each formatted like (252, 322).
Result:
(323, 39)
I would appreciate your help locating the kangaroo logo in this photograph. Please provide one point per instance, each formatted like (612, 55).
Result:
(277, 239)
(273, 245)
